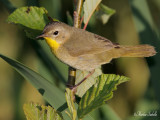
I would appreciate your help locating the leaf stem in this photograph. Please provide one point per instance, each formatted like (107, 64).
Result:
(85, 26)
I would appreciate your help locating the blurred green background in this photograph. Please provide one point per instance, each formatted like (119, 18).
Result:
(135, 22)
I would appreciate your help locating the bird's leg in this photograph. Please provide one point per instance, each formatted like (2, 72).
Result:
(74, 87)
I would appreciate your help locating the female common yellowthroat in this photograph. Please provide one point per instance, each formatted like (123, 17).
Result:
(84, 50)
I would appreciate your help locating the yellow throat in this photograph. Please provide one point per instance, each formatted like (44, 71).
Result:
(52, 43)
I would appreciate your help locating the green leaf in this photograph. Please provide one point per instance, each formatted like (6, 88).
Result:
(36, 112)
(69, 98)
(104, 13)
(89, 8)
(51, 93)
(31, 17)
(48, 90)
(98, 94)
(38, 15)
(82, 88)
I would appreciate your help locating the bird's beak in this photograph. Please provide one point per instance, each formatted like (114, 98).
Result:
(41, 36)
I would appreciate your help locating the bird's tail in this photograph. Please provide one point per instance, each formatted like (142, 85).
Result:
(126, 51)
(137, 51)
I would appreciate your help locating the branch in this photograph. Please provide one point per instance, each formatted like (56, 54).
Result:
(77, 16)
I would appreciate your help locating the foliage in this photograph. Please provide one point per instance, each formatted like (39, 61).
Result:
(81, 90)
(45, 87)
(31, 17)
(89, 8)
(33, 20)
(70, 102)
(36, 112)
(98, 94)
(104, 13)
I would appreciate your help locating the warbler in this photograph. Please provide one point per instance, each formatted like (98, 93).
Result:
(84, 50)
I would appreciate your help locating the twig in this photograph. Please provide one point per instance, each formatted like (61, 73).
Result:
(77, 15)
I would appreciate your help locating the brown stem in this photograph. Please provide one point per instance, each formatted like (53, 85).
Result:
(77, 13)
(71, 77)
(77, 16)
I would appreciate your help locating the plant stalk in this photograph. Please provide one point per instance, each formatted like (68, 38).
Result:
(77, 16)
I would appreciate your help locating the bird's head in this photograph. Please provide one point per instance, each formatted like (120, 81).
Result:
(55, 33)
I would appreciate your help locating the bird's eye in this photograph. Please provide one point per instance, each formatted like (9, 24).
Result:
(55, 33)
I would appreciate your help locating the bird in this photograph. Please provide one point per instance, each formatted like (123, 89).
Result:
(87, 51)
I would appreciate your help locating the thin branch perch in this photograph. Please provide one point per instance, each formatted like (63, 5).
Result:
(77, 16)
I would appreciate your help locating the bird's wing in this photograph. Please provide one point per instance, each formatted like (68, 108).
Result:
(87, 43)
